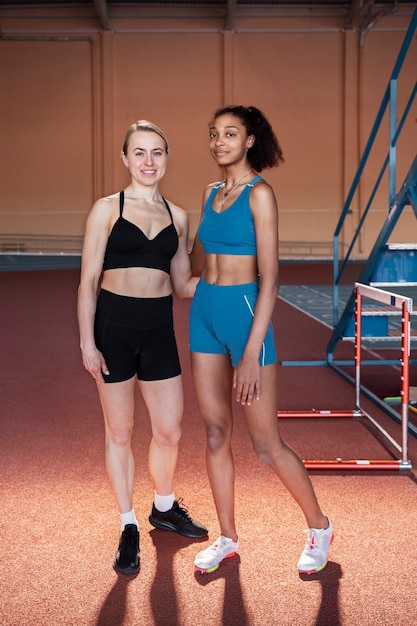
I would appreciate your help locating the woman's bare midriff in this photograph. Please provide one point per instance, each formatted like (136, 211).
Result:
(227, 269)
(137, 282)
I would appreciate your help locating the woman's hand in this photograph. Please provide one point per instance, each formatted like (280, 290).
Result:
(95, 364)
(247, 380)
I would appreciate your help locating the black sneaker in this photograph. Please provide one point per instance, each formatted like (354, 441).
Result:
(178, 520)
(127, 559)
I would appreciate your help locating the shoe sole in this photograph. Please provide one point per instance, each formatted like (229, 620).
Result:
(313, 571)
(209, 570)
(128, 571)
(174, 529)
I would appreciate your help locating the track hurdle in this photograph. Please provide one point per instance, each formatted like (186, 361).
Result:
(405, 305)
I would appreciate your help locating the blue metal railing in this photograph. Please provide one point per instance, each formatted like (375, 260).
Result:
(389, 99)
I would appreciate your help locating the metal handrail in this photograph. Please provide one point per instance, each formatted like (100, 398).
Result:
(15, 243)
(390, 98)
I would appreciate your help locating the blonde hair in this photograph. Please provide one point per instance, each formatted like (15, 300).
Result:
(146, 126)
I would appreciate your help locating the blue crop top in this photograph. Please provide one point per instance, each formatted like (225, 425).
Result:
(232, 231)
(128, 246)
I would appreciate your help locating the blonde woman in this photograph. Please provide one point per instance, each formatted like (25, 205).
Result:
(134, 255)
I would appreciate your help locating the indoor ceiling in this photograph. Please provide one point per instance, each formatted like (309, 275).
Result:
(360, 14)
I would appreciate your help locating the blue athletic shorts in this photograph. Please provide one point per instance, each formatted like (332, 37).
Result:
(221, 320)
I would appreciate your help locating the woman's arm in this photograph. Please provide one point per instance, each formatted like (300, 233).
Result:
(197, 255)
(95, 241)
(265, 214)
(181, 276)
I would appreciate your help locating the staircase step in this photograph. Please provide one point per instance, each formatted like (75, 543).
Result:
(393, 337)
(397, 264)
(400, 284)
(371, 311)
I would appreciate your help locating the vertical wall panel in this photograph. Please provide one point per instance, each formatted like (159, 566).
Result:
(46, 126)
(175, 81)
(291, 77)
(379, 52)
(66, 104)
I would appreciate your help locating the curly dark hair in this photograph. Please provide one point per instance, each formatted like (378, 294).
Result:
(266, 151)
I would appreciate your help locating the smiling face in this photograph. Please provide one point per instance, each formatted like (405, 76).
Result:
(229, 141)
(146, 157)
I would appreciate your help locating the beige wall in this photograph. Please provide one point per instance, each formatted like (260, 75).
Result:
(70, 91)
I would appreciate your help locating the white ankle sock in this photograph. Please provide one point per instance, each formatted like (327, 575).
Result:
(163, 503)
(128, 518)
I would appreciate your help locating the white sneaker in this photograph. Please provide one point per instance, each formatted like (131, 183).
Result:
(208, 560)
(314, 556)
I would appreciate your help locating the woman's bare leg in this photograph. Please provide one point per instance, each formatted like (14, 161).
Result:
(262, 422)
(165, 403)
(212, 374)
(117, 401)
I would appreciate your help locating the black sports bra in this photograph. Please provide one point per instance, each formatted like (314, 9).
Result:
(128, 246)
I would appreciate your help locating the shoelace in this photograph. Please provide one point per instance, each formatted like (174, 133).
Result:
(212, 550)
(311, 539)
(129, 542)
(182, 511)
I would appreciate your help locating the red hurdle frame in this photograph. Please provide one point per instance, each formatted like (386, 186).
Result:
(404, 304)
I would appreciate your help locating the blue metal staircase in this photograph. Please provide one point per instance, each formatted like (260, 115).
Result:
(387, 264)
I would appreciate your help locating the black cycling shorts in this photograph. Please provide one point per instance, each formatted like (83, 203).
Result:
(136, 336)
